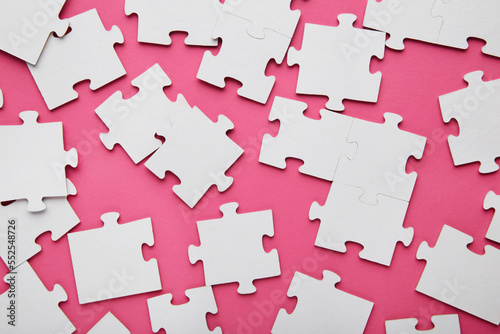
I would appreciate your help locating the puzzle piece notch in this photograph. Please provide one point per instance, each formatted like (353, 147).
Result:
(335, 61)
(322, 308)
(460, 278)
(25, 26)
(492, 201)
(475, 108)
(109, 324)
(87, 52)
(157, 19)
(231, 248)
(186, 318)
(319, 143)
(443, 324)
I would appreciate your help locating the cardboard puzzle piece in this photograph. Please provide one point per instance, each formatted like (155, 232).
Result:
(460, 278)
(243, 58)
(443, 324)
(158, 18)
(322, 308)
(377, 227)
(133, 123)
(33, 161)
(87, 52)
(24, 227)
(198, 152)
(108, 261)
(335, 61)
(475, 109)
(26, 25)
(319, 143)
(109, 324)
(265, 14)
(463, 19)
(231, 248)
(190, 317)
(30, 307)
(492, 201)
(379, 166)
(403, 19)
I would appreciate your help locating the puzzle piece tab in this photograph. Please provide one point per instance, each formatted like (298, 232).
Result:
(443, 324)
(231, 248)
(492, 200)
(109, 324)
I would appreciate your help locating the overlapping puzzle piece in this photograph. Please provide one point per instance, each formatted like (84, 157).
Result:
(492, 201)
(186, 318)
(109, 324)
(443, 324)
(231, 248)
(86, 52)
(322, 308)
(460, 278)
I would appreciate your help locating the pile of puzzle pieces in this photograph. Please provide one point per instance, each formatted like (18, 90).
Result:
(364, 161)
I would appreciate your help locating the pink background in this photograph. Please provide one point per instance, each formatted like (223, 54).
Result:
(109, 181)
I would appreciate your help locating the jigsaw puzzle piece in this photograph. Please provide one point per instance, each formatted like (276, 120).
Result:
(443, 324)
(379, 166)
(475, 108)
(31, 308)
(335, 61)
(458, 277)
(322, 308)
(158, 18)
(1, 98)
(377, 227)
(231, 248)
(186, 318)
(26, 25)
(243, 58)
(108, 261)
(492, 200)
(109, 324)
(319, 143)
(87, 52)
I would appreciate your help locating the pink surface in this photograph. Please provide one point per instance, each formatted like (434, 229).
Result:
(109, 181)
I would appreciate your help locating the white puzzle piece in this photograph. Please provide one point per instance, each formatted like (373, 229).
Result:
(58, 218)
(335, 61)
(133, 123)
(475, 108)
(190, 317)
(108, 261)
(322, 308)
(26, 25)
(33, 309)
(198, 152)
(1, 98)
(492, 201)
(319, 143)
(377, 227)
(458, 277)
(243, 58)
(379, 166)
(86, 52)
(107, 325)
(443, 324)
(402, 19)
(231, 248)
(158, 18)
(33, 161)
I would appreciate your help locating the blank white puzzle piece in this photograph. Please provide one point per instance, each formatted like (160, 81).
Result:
(231, 248)
(87, 52)
(458, 277)
(492, 200)
(319, 143)
(134, 122)
(443, 324)
(377, 227)
(33, 161)
(109, 324)
(335, 61)
(186, 318)
(322, 308)
(475, 108)
(108, 261)
(36, 309)
(198, 152)
(158, 18)
(26, 25)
